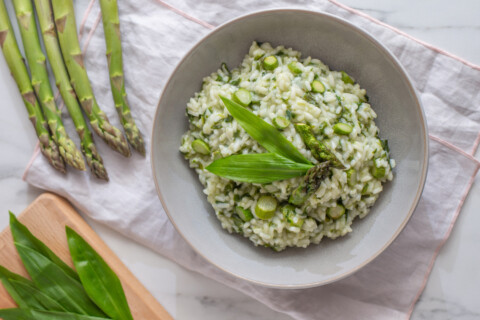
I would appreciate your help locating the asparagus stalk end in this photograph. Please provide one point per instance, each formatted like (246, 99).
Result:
(47, 26)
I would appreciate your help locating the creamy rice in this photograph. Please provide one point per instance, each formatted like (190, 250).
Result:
(283, 93)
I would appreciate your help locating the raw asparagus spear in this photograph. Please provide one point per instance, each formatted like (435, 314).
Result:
(318, 149)
(41, 84)
(67, 35)
(312, 180)
(20, 74)
(47, 27)
(111, 27)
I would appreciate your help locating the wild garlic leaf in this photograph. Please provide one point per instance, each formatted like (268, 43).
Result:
(33, 298)
(100, 282)
(258, 168)
(5, 277)
(22, 235)
(264, 133)
(57, 284)
(30, 314)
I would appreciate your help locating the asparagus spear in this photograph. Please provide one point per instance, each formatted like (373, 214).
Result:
(111, 27)
(47, 27)
(312, 180)
(41, 84)
(20, 74)
(318, 149)
(67, 35)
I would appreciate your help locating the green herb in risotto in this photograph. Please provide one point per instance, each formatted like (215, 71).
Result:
(286, 149)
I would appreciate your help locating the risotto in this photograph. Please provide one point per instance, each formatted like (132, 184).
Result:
(283, 89)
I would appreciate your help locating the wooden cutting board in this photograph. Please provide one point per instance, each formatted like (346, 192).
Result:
(46, 218)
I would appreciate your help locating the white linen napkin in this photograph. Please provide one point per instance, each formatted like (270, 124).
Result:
(156, 35)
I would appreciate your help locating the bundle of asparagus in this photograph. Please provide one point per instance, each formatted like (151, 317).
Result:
(47, 26)
(67, 35)
(20, 74)
(36, 61)
(58, 28)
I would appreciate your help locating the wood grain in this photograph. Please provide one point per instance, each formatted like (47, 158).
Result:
(46, 218)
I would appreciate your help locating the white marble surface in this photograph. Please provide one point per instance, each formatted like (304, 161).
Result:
(453, 289)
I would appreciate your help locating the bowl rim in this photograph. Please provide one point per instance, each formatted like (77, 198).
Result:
(419, 107)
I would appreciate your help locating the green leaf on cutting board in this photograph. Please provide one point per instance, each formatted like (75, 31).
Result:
(100, 282)
(5, 277)
(22, 235)
(15, 314)
(35, 298)
(54, 282)
(24, 292)
(30, 314)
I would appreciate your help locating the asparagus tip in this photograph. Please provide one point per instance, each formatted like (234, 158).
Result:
(51, 152)
(99, 171)
(112, 136)
(136, 140)
(95, 162)
(71, 154)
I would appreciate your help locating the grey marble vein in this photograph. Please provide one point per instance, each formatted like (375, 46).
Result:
(441, 309)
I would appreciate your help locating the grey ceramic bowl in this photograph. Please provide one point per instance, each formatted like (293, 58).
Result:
(341, 46)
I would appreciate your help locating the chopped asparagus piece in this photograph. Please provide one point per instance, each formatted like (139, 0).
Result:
(351, 177)
(265, 208)
(292, 217)
(318, 87)
(336, 212)
(245, 214)
(200, 146)
(294, 67)
(377, 172)
(365, 189)
(270, 63)
(346, 78)
(243, 97)
(342, 128)
(281, 123)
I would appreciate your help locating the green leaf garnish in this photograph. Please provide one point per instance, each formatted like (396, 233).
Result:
(258, 167)
(264, 133)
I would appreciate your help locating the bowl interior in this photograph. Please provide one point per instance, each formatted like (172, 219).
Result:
(400, 119)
